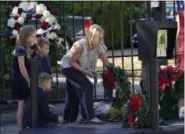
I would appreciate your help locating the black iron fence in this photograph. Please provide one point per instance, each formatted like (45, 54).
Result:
(117, 18)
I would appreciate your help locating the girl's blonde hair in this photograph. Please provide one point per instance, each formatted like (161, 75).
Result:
(93, 34)
(23, 36)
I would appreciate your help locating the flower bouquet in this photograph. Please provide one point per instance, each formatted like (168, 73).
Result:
(137, 113)
(109, 83)
(34, 13)
(117, 85)
(168, 95)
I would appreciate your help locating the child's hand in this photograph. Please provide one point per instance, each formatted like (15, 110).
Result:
(51, 106)
(60, 119)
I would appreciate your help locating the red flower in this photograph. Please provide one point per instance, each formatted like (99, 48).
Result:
(135, 103)
(16, 17)
(134, 107)
(109, 77)
(167, 76)
(38, 16)
(44, 25)
(17, 26)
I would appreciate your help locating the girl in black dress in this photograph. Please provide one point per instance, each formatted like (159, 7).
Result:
(21, 69)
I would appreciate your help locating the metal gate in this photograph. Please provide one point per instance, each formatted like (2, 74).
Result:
(118, 20)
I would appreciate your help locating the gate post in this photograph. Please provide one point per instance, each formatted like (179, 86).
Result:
(34, 93)
(154, 95)
(147, 40)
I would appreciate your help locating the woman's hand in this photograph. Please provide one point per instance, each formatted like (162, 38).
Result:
(90, 73)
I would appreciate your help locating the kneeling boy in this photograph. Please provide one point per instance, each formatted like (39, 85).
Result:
(44, 114)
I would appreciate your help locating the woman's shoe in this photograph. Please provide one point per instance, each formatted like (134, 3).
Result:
(95, 120)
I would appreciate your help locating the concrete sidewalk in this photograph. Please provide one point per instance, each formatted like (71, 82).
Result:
(8, 117)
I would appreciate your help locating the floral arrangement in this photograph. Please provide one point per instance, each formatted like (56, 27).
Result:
(168, 94)
(133, 108)
(137, 112)
(115, 79)
(33, 13)
(115, 114)
(167, 75)
(109, 79)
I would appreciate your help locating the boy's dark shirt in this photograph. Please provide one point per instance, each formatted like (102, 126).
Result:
(44, 64)
(44, 115)
(44, 112)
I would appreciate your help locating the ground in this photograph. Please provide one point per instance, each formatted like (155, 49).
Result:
(8, 125)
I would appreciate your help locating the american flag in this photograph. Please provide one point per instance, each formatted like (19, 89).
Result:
(180, 10)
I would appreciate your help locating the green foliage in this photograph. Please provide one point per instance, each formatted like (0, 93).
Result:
(123, 86)
(115, 113)
(168, 104)
(123, 89)
(108, 17)
(169, 99)
(5, 51)
(142, 117)
(179, 87)
(143, 120)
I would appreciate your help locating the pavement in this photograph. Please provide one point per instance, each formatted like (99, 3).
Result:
(8, 122)
(8, 117)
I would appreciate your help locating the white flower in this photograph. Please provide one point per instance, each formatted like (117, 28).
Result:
(40, 8)
(15, 32)
(42, 19)
(51, 35)
(57, 27)
(11, 22)
(32, 5)
(40, 31)
(51, 20)
(20, 20)
(114, 93)
(14, 11)
(24, 5)
(46, 14)
(163, 67)
(23, 14)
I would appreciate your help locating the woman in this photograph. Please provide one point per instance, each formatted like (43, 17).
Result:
(77, 64)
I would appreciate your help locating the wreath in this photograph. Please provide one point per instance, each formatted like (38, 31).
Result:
(136, 114)
(37, 14)
(115, 80)
(169, 91)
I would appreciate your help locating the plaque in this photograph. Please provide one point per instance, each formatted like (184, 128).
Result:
(162, 43)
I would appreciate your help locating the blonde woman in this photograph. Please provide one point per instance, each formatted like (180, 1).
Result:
(77, 64)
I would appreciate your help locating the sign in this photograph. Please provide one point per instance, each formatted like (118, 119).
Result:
(162, 43)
